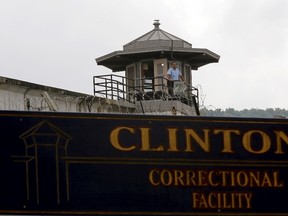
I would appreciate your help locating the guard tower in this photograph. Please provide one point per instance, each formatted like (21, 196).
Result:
(145, 61)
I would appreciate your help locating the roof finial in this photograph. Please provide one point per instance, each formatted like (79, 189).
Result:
(156, 24)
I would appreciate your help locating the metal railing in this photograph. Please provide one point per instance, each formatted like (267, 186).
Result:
(111, 86)
(117, 87)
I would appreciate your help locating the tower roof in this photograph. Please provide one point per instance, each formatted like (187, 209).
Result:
(157, 44)
(157, 38)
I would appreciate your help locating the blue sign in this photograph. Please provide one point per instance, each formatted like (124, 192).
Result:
(112, 164)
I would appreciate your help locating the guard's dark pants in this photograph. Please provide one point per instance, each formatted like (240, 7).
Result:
(170, 85)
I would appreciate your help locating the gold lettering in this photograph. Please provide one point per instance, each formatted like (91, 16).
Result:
(203, 203)
(266, 142)
(211, 180)
(219, 200)
(232, 178)
(210, 196)
(195, 200)
(172, 139)
(222, 200)
(248, 197)
(145, 138)
(152, 177)
(179, 177)
(275, 179)
(190, 178)
(227, 146)
(204, 143)
(254, 178)
(232, 200)
(223, 178)
(266, 180)
(253, 141)
(242, 179)
(239, 201)
(280, 135)
(114, 138)
(166, 177)
(202, 176)
(226, 201)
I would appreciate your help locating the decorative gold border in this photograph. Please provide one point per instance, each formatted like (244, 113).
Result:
(165, 161)
(216, 213)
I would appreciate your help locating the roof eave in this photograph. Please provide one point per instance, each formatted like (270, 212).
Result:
(108, 56)
(196, 57)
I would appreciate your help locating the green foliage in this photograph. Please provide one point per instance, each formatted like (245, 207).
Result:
(259, 113)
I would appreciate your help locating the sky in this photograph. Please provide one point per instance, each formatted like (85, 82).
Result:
(56, 42)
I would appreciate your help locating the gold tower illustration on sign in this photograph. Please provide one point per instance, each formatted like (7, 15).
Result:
(45, 146)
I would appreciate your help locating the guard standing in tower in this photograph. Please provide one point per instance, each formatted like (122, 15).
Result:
(173, 74)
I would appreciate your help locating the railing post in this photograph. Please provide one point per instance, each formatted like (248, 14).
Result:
(117, 89)
(94, 85)
(106, 86)
(112, 91)
(123, 85)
